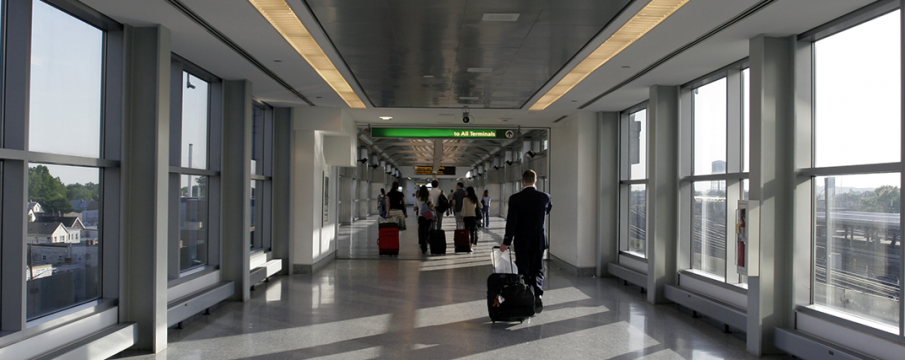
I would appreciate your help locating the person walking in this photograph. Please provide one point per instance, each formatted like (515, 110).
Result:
(470, 212)
(485, 209)
(422, 203)
(456, 203)
(526, 227)
(450, 197)
(435, 194)
(382, 203)
(396, 200)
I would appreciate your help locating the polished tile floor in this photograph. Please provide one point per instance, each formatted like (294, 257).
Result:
(433, 307)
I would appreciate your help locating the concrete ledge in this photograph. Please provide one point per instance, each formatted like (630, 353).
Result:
(721, 311)
(100, 345)
(183, 308)
(631, 275)
(805, 346)
(311, 269)
(572, 269)
(265, 271)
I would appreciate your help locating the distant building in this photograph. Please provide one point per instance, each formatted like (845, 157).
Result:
(34, 210)
(54, 232)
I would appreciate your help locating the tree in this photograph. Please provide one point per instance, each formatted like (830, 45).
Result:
(884, 199)
(47, 190)
(78, 191)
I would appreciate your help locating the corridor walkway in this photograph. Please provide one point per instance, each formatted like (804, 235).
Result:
(433, 307)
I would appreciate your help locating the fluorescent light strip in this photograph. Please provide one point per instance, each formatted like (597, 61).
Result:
(287, 23)
(648, 18)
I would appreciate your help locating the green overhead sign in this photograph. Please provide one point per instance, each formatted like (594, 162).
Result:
(443, 133)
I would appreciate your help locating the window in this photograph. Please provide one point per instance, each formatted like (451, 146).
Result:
(194, 170)
(856, 210)
(716, 177)
(633, 233)
(65, 106)
(261, 171)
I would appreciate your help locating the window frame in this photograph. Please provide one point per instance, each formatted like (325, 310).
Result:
(734, 177)
(264, 175)
(805, 233)
(179, 65)
(625, 179)
(16, 158)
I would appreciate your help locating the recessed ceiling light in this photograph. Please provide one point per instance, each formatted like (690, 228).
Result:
(385, 118)
(648, 18)
(500, 17)
(480, 70)
(285, 21)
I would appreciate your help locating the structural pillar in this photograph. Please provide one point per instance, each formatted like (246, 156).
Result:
(145, 179)
(282, 188)
(663, 195)
(608, 202)
(236, 182)
(771, 192)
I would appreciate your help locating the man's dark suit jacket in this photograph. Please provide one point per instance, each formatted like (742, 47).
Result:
(525, 221)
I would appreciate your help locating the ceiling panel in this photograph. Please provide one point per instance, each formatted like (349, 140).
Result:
(389, 46)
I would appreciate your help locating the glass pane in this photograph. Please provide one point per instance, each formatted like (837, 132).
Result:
(746, 119)
(858, 250)
(193, 221)
(256, 233)
(638, 144)
(710, 128)
(65, 84)
(857, 87)
(257, 137)
(708, 238)
(637, 219)
(195, 105)
(745, 189)
(63, 262)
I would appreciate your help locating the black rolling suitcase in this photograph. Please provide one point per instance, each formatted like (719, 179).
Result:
(437, 240)
(509, 298)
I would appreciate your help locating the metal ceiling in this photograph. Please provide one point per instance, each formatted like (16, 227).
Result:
(416, 53)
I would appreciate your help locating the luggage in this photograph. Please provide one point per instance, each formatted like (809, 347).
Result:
(437, 241)
(509, 298)
(389, 238)
(462, 240)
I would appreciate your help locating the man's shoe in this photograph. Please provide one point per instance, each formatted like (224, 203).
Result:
(538, 305)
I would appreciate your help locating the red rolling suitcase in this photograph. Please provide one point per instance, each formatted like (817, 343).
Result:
(389, 239)
(462, 240)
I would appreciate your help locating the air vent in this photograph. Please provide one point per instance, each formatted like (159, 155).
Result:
(560, 119)
(469, 98)
(480, 70)
(500, 17)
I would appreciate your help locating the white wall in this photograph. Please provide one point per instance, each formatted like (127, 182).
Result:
(319, 134)
(573, 164)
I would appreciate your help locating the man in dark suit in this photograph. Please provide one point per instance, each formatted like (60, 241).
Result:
(525, 224)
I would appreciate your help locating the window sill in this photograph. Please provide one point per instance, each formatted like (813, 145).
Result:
(635, 255)
(192, 274)
(715, 280)
(57, 320)
(856, 323)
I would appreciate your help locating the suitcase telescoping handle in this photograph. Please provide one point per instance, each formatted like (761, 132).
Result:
(493, 258)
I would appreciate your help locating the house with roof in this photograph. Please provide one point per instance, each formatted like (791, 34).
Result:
(54, 232)
(34, 210)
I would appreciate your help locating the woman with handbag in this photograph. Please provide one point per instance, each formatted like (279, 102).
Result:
(382, 204)
(426, 216)
(471, 209)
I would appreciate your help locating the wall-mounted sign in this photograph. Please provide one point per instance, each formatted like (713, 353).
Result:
(443, 133)
(429, 170)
